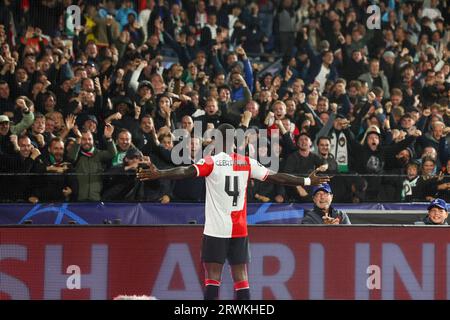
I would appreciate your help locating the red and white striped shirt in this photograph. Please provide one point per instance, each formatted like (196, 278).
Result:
(226, 192)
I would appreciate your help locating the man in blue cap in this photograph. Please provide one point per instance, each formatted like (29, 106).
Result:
(323, 213)
(437, 213)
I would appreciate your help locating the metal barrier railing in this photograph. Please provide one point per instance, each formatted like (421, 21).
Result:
(347, 188)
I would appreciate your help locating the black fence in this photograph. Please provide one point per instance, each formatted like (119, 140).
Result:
(75, 187)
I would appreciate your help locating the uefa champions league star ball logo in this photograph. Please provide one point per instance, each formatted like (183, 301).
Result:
(61, 211)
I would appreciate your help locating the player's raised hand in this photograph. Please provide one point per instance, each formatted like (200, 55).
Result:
(315, 179)
(151, 173)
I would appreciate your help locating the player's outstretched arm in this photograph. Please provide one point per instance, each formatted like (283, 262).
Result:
(291, 180)
(175, 173)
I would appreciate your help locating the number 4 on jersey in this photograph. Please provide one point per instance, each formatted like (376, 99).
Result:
(235, 192)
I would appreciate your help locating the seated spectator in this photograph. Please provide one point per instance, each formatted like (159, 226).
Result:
(323, 212)
(437, 213)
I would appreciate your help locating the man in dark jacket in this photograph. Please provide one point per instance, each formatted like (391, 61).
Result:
(59, 186)
(373, 156)
(356, 65)
(18, 188)
(323, 213)
(302, 162)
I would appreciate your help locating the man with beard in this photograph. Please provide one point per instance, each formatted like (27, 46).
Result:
(89, 163)
(123, 145)
(58, 186)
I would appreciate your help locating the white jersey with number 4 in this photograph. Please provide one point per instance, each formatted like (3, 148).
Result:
(226, 192)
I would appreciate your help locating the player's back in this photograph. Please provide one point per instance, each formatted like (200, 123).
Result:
(227, 177)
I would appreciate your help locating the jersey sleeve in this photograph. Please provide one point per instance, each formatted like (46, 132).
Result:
(204, 166)
(257, 170)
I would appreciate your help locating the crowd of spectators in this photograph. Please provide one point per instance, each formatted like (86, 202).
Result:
(82, 107)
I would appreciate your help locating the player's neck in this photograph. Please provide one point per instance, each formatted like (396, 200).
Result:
(227, 151)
